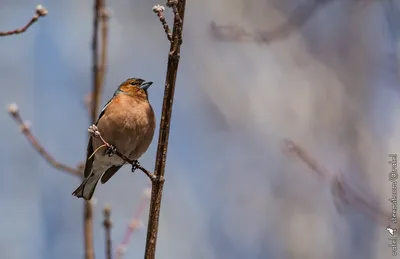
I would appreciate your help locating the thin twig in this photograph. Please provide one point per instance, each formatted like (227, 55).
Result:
(135, 223)
(87, 101)
(105, 16)
(96, 88)
(306, 158)
(14, 112)
(161, 156)
(341, 190)
(98, 75)
(159, 9)
(39, 12)
(107, 226)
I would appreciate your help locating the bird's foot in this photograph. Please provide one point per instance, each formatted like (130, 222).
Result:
(111, 151)
(135, 165)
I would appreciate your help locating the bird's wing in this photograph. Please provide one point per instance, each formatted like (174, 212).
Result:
(104, 109)
(89, 162)
(109, 173)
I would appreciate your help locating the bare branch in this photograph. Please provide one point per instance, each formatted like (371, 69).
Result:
(105, 16)
(107, 226)
(99, 11)
(96, 88)
(98, 80)
(135, 222)
(14, 112)
(306, 158)
(159, 9)
(40, 12)
(178, 8)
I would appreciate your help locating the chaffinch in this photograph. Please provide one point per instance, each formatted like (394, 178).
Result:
(127, 122)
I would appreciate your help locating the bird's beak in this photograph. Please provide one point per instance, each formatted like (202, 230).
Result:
(146, 85)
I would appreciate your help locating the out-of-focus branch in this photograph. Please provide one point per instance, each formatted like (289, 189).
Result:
(40, 12)
(104, 15)
(96, 87)
(87, 101)
(99, 14)
(102, 66)
(342, 191)
(98, 79)
(346, 194)
(14, 112)
(135, 223)
(107, 226)
(178, 7)
(306, 158)
(296, 19)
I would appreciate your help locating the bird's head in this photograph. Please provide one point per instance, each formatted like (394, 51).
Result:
(136, 87)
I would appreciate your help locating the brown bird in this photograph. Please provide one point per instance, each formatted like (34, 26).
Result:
(127, 122)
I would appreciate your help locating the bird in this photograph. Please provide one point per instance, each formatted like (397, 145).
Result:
(127, 123)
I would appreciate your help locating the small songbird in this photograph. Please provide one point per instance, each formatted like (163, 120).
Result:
(127, 122)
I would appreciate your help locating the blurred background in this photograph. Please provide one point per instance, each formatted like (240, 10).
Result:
(332, 86)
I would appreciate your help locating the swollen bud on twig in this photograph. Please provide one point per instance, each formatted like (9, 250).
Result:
(158, 8)
(13, 109)
(41, 11)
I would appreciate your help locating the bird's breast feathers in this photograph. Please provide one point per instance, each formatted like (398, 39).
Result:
(128, 124)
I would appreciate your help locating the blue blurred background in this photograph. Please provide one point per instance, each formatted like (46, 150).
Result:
(332, 86)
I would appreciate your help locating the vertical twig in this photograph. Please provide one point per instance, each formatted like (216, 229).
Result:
(161, 156)
(104, 16)
(88, 230)
(107, 227)
(88, 210)
(95, 60)
(98, 78)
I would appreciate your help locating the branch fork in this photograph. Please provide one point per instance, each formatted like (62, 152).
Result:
(159, 9)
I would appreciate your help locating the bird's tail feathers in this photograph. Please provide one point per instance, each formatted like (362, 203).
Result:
(88, 186)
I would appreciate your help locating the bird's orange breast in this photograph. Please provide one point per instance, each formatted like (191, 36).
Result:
(128, 124)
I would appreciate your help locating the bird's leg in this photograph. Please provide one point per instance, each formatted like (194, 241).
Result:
(110, 150)
(135, 165)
